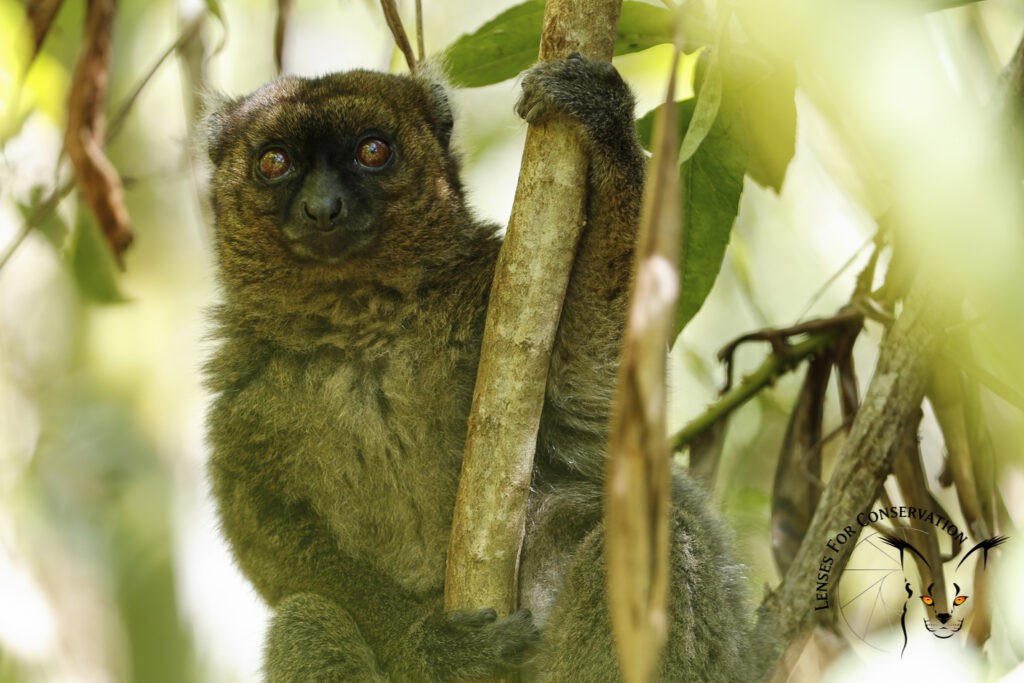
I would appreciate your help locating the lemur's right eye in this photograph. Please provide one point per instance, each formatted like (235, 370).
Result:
(927, 599)
(373, 153)
(274, 163)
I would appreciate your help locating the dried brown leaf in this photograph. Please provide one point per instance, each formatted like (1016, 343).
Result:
(846, 374)
(797, 488)
(638, 470)
(909, 471)
(890, 402)
(97, 178)
(946, 396)
(979, 441)
(981, 622)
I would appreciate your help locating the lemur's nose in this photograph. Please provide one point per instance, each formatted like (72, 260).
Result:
(943, 617)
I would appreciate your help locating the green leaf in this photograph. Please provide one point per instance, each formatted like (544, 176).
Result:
(92, 264)
(712, 185)
(509, 43)
(642, 26)
(645, 124)
(705, 112)
(499, 49)
(50, 226)
(764, 95)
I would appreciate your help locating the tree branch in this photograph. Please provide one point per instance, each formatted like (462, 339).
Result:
(892, 401)
(778, 336)
(525, 303)
(394, 21)
(773, 367)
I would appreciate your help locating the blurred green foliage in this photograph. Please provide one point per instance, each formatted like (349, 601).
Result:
(100, 478)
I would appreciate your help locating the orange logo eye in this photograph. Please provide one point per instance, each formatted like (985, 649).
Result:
(274, 163)
(927, 599)
(373, 153)
(960, 599)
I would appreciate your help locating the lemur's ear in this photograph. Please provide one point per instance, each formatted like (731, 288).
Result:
(431, 75)
(902, 545)
(984, 546)
(441, 113)
(216, 118)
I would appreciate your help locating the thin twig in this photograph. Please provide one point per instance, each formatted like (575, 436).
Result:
(778, 337)
(123, 109)
(398, 31)
(736, 253)
(871, 309)
(774, 366)
(419, 30)
(36, 217)
(194, 60)
(835, 276)
(284, 10)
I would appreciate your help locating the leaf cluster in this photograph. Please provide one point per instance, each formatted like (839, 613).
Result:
(741, 122)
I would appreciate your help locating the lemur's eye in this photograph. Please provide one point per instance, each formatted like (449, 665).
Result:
(927, 599)
(960, 599)
(373, 153)
(274, 163)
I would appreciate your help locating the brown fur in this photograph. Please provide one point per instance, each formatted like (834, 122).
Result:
(343, 384)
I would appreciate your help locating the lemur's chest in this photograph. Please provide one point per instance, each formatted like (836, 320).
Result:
(377, 453)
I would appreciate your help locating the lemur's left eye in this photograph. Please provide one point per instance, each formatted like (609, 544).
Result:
(960, 599)
(373, 153)
(274, 163)
(927, 599)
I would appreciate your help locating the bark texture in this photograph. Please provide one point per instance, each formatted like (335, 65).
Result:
(891, 406)
(525, 303)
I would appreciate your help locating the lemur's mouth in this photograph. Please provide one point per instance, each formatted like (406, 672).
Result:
(943, 631)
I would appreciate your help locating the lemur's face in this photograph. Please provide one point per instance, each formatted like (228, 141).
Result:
(937, 621)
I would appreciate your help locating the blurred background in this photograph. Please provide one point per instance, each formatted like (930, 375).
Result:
(111, 565)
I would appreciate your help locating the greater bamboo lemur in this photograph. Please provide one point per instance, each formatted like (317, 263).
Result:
(355, 283)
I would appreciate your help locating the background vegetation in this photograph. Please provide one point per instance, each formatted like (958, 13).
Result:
(896, 115)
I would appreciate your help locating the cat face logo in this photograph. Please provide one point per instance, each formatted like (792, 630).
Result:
(944, 610)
